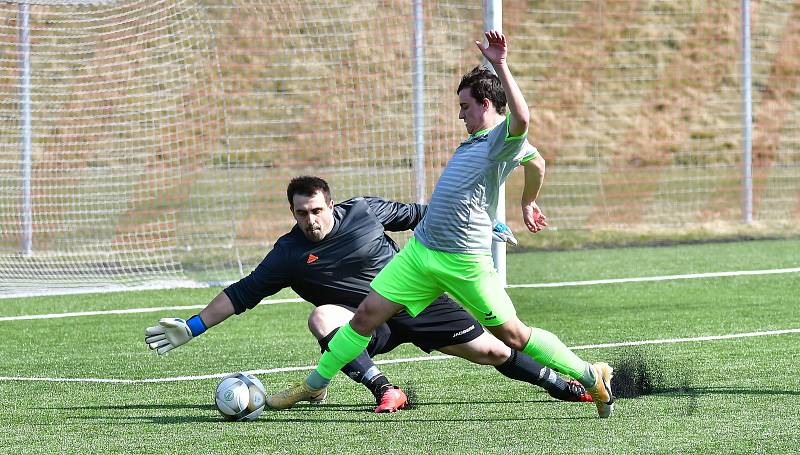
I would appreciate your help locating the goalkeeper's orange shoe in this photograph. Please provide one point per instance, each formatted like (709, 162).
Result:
(392, 400)
(601, 391)
(295, 394)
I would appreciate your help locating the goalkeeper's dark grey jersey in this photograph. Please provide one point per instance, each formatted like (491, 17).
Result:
(338, 269)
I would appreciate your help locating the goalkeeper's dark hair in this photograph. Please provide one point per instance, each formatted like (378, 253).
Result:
(485, 84)
(307, 185)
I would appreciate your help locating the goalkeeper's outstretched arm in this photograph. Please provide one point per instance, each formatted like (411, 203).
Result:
(218, 310)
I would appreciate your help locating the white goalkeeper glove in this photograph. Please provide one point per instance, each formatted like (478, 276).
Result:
(503, 233)
(172, 332)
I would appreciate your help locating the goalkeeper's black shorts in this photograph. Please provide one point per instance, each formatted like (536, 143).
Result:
(443, 323)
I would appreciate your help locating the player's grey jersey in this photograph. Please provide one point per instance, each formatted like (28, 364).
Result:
(459, 217)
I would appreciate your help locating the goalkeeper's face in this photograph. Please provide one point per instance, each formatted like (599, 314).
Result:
(314, 215)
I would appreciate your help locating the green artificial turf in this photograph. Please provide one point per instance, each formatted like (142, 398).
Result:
(735, 395)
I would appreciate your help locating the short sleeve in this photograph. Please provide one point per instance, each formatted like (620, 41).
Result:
(504, 147)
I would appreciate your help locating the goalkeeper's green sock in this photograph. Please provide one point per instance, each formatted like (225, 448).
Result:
(345, 346)
(549, 350)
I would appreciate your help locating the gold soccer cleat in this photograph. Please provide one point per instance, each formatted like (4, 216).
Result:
(601, 391)
(295, 394)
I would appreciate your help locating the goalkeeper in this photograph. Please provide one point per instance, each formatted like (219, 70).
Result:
(329, 259)
(450, 250)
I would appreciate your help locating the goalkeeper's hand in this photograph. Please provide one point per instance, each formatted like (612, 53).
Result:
(503, 233)
(172, 332)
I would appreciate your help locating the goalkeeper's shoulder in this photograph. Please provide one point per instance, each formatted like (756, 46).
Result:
(395, 215)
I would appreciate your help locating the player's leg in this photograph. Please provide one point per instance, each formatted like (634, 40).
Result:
(389, 286)
(446, 327)
(542, 346)
(473, 281)
(391, 293)
(488, 350)
(551, 351)
(343, 348)
(325, 321)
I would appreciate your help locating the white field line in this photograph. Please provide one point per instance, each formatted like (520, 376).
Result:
(535, 285)
(126, 311)
(404, 360)
(657, 278)
(151, 286)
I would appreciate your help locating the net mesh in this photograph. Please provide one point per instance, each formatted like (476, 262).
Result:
(164, 132)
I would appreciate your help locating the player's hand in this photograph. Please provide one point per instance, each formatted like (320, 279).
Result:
(533, 217)
(503, 233)
(497, 50)
(167, 335)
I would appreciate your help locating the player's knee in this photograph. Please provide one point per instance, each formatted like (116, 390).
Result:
(372, 313)
(498, 355)
(316, 324)
(516, 341)
(324, 319)
(514, 334)
(490, 355)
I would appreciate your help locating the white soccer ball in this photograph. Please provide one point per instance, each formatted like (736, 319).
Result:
(240, 397)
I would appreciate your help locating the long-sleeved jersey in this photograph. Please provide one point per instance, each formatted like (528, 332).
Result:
(339, 268)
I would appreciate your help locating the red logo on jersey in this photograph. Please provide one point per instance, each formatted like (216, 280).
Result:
(311, 258)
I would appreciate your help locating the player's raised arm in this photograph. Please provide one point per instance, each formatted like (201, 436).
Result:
(496, 53)
(532, 215)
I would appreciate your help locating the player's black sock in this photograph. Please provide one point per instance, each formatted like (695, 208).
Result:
(377, 384)
(522, 367)
(362, 369)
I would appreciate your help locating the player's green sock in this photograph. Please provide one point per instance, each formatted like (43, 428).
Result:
(345, 346)
(549, 350)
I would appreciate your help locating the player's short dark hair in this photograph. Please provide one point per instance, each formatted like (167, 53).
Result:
(307, 185)
(485, 84)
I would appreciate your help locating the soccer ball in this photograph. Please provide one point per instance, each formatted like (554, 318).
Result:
(240, 397)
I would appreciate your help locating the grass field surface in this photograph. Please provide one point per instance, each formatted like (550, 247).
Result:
(725, 366)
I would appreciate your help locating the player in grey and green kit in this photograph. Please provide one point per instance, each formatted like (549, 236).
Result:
(451, 248)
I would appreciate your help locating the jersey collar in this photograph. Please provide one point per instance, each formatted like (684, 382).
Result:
(484, 132)
(478, 134)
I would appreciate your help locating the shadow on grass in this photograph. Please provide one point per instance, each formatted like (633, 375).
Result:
(116, 414)
(127, 407)
(161, 420)
(153, 413)
(300, 407)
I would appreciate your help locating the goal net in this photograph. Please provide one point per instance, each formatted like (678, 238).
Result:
(149, 143)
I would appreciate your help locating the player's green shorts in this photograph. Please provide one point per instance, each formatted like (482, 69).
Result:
(417, 275)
